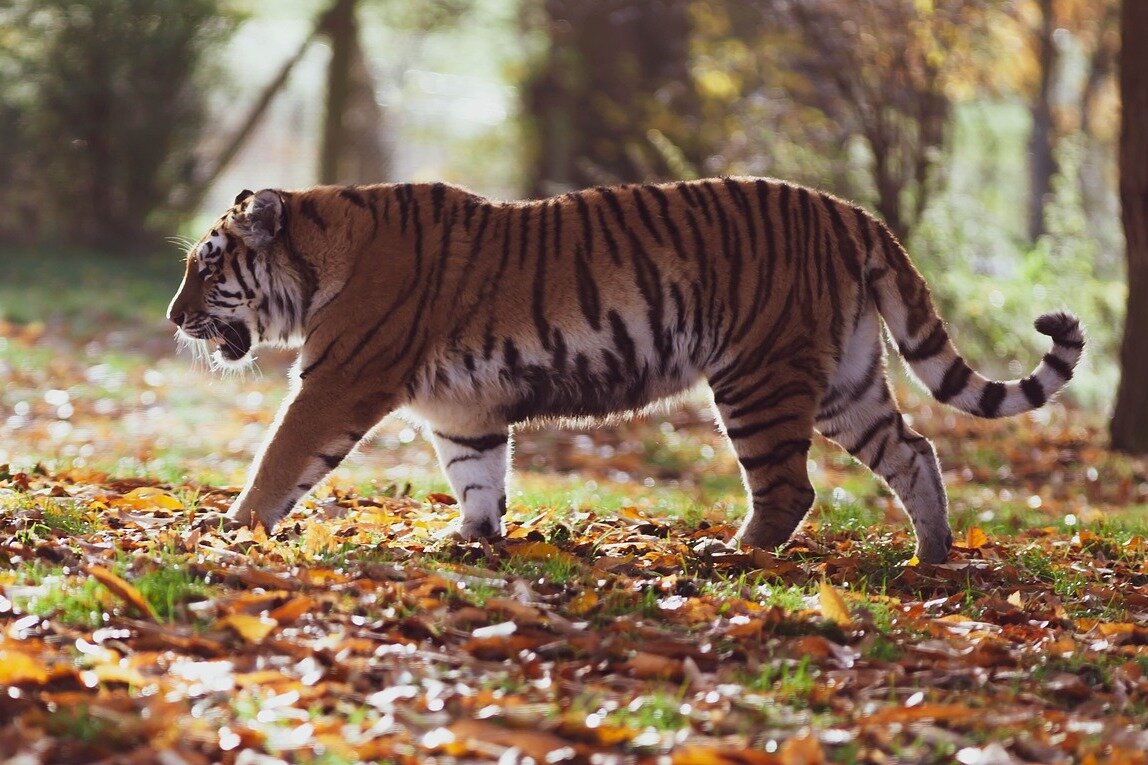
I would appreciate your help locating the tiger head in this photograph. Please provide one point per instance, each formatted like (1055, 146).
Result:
(238, 290)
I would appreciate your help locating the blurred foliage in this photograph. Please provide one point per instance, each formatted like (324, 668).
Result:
(920, 110)
(101, 114)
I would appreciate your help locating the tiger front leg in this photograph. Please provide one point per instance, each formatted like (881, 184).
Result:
(314, 430)
(476, 462)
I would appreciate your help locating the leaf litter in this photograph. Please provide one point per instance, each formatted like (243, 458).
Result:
(134, 630)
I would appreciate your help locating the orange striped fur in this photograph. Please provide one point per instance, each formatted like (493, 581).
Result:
(478, 315)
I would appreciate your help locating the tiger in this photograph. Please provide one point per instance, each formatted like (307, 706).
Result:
(477, 316)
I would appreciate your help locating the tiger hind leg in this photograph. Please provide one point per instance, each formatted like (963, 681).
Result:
(863, 417)
(770, 428)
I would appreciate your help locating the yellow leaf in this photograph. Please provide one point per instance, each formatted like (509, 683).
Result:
(976, 538)
(581, 604)
(833, 605)
(114, 673)
(123, 590)
(1016, 599)
(541, 551)
(146, 497)
(914, 561)
(253, 629)
(18, 667)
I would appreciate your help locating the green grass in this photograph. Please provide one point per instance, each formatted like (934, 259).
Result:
(62, 597)
(82, 286)
(785, 679)
(169, 588)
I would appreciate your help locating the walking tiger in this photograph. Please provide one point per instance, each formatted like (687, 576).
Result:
(478, 315)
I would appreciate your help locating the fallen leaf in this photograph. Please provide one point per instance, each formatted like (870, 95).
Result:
(292, 610)
(17, 667)
(123, 590)
(833, 605)
(582, 603)
(147, 498)
(976, 538)
(253, 629)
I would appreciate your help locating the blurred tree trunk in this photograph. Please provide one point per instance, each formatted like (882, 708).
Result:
(352, 149)
(1129, 427)
(1042, 164)
(343, 31)
(615, 69)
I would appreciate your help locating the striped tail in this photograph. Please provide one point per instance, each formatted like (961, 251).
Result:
(906, 305)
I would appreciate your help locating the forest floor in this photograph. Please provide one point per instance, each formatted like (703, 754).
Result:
(130, 631)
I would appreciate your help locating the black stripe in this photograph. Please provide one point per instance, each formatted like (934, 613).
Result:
(477, 443)
(880, 455)
(611, 243)
(587, 226)
(588, 296)
(781, 452)
(954, 381)
(622, 340)
(1058, 364)
(1033, 391)
(612, 200)
(304, 486)
(668, 220)
(1065, 343)
(745, 431)
(871, 432)
(462, 458)
(644, 213)
(927, 348)
(771, 399)
(523, 231)
(438, 194)
(307, 207)
(352, 196)
(472, 486)
(991, 398)
(330, 460)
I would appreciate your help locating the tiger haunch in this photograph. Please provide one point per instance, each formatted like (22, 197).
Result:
(478, 315)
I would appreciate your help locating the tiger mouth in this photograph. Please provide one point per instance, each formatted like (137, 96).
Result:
(234, 340)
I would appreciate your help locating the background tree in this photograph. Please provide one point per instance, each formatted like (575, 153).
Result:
(1129, 425)
(613, 72)
(106, 115)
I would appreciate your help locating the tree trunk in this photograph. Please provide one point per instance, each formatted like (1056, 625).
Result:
(1042, 165)
(614, 69)
(1129, 427)
(342, 30)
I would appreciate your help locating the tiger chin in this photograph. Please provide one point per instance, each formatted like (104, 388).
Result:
(478, 315)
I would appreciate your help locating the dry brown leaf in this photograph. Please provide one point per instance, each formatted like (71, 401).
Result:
(582, 603)
(292, 609)
(801, 750)
(17, 667)
(253, 629)
(651, 666)
(123, 590)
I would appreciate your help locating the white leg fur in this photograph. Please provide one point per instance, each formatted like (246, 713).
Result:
(476, 466)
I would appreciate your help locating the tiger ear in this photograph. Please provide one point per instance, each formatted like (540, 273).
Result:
(242, 196)
(261, 220)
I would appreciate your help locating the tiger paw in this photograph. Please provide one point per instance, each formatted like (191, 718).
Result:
(473, 530)
(217, 522)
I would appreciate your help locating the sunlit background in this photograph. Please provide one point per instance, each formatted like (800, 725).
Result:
(983, 132)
